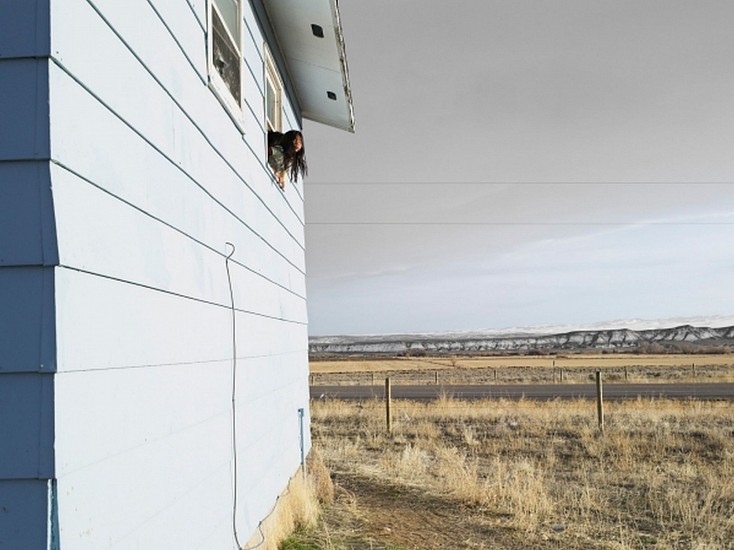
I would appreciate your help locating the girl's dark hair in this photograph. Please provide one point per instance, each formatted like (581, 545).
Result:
(295, 161)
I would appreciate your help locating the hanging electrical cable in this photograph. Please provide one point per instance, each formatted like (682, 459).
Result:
(234, 395)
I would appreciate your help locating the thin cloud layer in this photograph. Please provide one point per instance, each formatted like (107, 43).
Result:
(494, 131)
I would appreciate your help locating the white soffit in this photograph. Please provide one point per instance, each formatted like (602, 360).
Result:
(317, 66)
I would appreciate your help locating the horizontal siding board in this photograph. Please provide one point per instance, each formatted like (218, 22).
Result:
(252, 53)
(111, 28)
(151, 179)
(27, 231)
(136, 247)
(253, 81)
(106, 324)
(254, 124)
(24, 517)
(199, 519)
(252, 36)
(255, 442)
(145, 406)
(27, 336)
(172, 48)
(270, 483)
(178, 114)
(253, 129)
(263, 466)
(158, 186)
(212, 175)
(162, 454)
(256, 295)
(24, 109)
(143, 250)
(289, 117)
(270, 390)
(198, 7)
(275, 405)
(259, 337)
(26, 426)
(266, 376)
(24, 29)
(177, 410)
(185, 29)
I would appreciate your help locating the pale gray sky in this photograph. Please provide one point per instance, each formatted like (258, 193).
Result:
(525, 162)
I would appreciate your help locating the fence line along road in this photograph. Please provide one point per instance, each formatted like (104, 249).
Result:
(710, 391)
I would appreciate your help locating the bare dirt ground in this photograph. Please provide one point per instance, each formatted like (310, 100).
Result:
(380, 515)
(528, 475)
(374, 514)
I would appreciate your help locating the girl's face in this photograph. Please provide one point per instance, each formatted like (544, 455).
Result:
(297, 143)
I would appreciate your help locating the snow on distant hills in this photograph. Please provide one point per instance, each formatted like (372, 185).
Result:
(683, 334)
(713, 321)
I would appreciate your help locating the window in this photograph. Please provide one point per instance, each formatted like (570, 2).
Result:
(273, 94)
(225, 58)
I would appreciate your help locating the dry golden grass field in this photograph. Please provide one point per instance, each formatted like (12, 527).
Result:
(525, 369)
(525, 475)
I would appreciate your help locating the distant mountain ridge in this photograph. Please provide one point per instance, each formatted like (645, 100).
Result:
(683, 339)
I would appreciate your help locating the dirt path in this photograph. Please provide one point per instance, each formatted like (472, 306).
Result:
(394, 517)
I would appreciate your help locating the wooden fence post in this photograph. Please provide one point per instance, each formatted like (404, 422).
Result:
(388, 399)
(599, 401)
(563, 375)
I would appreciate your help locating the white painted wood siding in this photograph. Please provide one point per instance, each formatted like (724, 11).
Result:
(151, 179)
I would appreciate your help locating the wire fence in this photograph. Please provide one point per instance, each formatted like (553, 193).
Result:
(525, 374)
(449, 415)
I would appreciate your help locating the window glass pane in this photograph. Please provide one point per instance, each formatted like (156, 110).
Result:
(270, 103)
(273, 91)
(229, 11)
(225, 58)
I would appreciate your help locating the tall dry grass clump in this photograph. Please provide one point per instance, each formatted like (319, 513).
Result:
(298, 507)
(661, 476)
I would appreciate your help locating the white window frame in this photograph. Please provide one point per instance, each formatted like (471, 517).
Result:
(216, 82)
(272, 81)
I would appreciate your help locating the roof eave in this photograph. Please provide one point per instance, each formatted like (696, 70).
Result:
(316, 65)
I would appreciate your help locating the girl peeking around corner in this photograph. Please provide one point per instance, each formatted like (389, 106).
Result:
(287, 155)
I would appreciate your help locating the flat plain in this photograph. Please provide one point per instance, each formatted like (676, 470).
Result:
(525, 369)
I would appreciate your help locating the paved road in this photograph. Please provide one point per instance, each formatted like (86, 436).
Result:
(535, 391)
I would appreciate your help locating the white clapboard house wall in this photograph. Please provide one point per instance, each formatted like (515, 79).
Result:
(153, 328)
